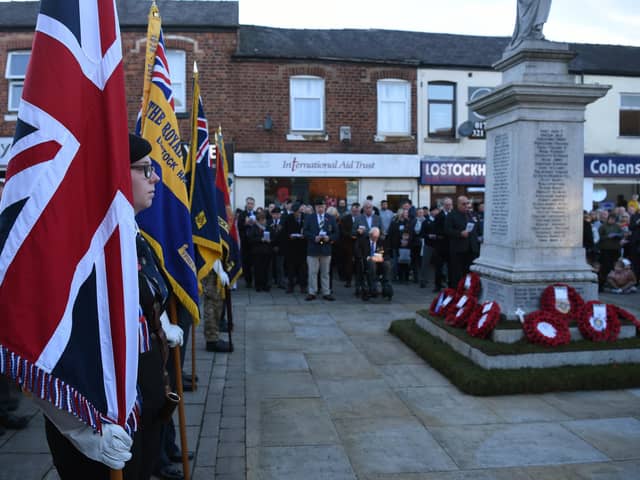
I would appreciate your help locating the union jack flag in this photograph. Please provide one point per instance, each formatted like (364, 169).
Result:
(68, 265)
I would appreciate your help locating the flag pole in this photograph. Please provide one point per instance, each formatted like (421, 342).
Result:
(191, 166)
(173, 316)
(115, 474)
(194, 385)
(227, 301)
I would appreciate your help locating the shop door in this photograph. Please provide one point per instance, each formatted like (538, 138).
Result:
(395, 199)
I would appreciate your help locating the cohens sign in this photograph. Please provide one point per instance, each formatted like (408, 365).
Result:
(611, 166)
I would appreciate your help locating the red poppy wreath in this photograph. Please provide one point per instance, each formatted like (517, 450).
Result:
(459, 313)
(599, 322)
(469, 284)
(442, 300)
(628, 316)
(562, 299)
(484, 319)
(546, 328)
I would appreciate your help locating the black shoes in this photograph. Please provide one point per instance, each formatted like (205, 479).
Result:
(220, 346)
(310, 297)
(329, 298)
(13, 422)
(177, 458)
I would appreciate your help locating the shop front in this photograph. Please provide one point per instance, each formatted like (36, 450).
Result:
(274, 177)
(610, 180)
(451, 177)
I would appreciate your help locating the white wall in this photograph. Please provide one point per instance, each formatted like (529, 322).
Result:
(381, 187)
(603, 118)
(247, 187)
(461, 147)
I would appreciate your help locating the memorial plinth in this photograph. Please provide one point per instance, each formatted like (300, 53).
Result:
(534, 180)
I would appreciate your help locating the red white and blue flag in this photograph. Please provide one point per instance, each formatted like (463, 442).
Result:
(68, 265)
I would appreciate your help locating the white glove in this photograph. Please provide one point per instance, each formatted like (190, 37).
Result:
(115, 446)
(173, 332)
(222, 275)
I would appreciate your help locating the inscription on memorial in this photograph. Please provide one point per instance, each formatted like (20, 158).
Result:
(499, 223)
(550, 175)
(528, 298)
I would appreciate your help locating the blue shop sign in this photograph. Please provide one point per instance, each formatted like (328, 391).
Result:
(452, 172)
(611, 166)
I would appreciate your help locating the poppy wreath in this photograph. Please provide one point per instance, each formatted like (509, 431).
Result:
(548, 302)
(469, 284)
(546, 328)
(598, 329)
(440, 302)
(628, 316)
(460, 310)
(484, 319)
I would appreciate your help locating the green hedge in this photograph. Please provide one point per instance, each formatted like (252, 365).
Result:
(474, 380)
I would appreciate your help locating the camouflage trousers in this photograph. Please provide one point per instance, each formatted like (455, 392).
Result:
(213, 305)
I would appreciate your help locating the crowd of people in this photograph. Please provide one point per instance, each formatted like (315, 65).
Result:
(367, 247)
(611, 239)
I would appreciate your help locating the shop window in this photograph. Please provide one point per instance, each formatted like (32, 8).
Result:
(307, 103)
(177, 69)
(394, 107)
(630, 114)
(16, 70)
(442, 108)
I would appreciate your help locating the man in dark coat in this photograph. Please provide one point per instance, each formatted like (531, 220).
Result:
(346, 242)
(295, 249)
(321, 231)
(441, 252)
(246, 219)
(461, 232)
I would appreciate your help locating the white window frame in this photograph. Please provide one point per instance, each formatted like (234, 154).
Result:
(177, 60)
(628, 108)
(14, 80)
(293, 95)
(406, 101)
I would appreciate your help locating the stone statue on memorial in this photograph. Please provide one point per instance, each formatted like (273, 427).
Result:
(532, 15)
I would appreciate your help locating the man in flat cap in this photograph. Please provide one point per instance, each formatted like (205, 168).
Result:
(321, 231)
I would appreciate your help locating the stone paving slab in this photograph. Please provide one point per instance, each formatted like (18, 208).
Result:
(592, 471)
(333, 366)
(415, 375)
(438, 406)
(618, 438)
(281, 385)
(294, 422)
(485, 474)
(357, 398)
(491, 446)
(328, 462)
(524, 408)
(275, 361)
(391, 445)
(602, 404)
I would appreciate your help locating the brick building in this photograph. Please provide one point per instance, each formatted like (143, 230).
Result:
(340, 113)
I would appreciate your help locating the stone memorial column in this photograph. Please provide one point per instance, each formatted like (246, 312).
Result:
(534, 182)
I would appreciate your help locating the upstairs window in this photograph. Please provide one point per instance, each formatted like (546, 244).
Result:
(16, 70)
(394, 107)
(630, 115)
(442, 108)
(178, 70)
(307, 103)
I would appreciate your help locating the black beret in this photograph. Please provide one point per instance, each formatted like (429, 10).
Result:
(319, 201)
(138, 148)
(276, 210)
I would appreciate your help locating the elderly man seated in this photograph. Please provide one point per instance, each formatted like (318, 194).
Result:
(372, 262)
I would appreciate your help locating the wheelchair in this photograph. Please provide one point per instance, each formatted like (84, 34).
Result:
(378, 287)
